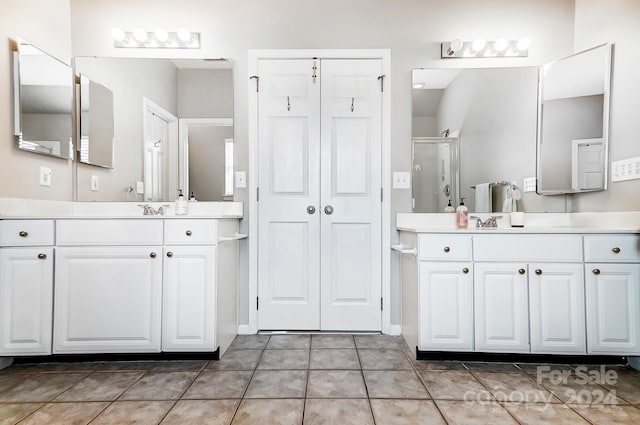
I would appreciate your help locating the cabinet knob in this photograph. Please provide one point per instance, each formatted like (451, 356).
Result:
(152, 255)
(169, 254)
(522, 271)
(42, 256)
(596, 271)
(538, 271)
(447, 249)
(188, 233)
(615, 250)
(465, 270)
(23, 234)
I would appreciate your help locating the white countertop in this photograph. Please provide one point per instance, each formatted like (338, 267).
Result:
(609, 222)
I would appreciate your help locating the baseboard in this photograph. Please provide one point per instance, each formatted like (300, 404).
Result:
(5, 362)
(395, 330)
(244, 330)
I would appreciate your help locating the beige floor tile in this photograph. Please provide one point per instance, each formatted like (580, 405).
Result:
(100, 386)
(284, 359)
(125, 366)
(236, 360)
(516, 387)
(277, 384)
(289, 342)
(53, 367)
(201, 412)
(332, 341)
(454, 385)
(545, 414)
(39, 387)
(438, 365)
(406, 412)
(627, 387)
(343, 412)
(269, 412)
(383, 359)
(249, 342)
(66, 413)
(219, 385)
(11, 413)
(334, 359)
(609, 415)
(543, 369)
(336, 384)
(379, 341)
(394, 384)
(160, 386)
(476, 413)
(133, 413)
(572, 389)
(492, 367)
(179, 366)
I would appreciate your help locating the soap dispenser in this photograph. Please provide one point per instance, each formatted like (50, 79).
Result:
(181, 204)
(449, 208)
(462, 215)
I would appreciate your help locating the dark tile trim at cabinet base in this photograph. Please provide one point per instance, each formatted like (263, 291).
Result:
(101, 357)
(518, 357)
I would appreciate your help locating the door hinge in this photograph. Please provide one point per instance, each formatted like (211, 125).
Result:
(257, 303)
(381, 303)
(257, 81)
(257, 194)
(381, 195)
(315, 75)
(381, 79)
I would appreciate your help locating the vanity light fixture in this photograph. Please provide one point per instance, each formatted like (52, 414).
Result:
(157, 39)
(481, 48)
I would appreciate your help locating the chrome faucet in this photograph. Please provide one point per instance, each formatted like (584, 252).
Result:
(489, 222)
(148, 209)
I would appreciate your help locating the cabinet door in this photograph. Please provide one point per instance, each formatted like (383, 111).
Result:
(446, 306)
(556, 302)
(108, 299)
(26, 300)
(501, 307)
(189, 299)
(613, 308)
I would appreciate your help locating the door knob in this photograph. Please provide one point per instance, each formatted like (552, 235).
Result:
(538, 271)
(23, 234)
(328, 210)
(522, 271)
(169, 254)
(465, 270)
(188, 233)
(311, 209)
(152, 255)
(616, 250)
(42, 256)
(596, 271)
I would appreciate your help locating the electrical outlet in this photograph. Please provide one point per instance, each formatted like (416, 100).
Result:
(401, 180)
(625, 169)
(45, 176)
(95, 183)
(241, 179)
(529, 184)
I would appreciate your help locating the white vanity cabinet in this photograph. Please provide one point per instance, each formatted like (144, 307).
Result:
(612, 270)
(26, 286)
(108, 286)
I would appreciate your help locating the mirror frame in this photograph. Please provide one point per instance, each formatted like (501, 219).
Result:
(608, 69)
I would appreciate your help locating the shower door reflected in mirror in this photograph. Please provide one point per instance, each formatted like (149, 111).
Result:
(434, 173)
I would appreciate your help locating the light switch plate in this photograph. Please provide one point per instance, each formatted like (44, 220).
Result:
(45, 176)
(139, 188)
(241, 179)
(95, 183)
(625, 169)
(401, 180)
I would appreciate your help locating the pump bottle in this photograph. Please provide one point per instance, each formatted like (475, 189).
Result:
(462, 215)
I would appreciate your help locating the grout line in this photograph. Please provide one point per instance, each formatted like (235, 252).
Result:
(253, 372)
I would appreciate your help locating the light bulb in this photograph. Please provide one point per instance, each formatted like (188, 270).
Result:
(456, 44)
(478, 44)
(501, 45)
(161, 35)
(140, 35)
(524, 43)
(184, 35)
(118, 34)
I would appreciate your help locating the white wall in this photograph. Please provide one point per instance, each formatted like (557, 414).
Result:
(45, 24)
(412, 29)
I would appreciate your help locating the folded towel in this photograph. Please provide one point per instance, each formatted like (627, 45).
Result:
(483, 198)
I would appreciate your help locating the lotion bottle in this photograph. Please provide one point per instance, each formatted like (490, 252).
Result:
(181, 204)
(449, 208)
(462, 215)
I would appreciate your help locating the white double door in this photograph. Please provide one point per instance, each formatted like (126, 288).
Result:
(319, 248)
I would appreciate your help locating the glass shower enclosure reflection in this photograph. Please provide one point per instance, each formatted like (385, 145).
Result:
(435, 173)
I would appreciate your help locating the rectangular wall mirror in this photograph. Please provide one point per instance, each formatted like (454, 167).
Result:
(153, 100)
(43, 100)
(573, 125)
(96, 123)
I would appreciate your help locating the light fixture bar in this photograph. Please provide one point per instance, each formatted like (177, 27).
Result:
(157, 39)
(490, 49)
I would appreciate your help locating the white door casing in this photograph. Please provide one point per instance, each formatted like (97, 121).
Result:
(160, 143)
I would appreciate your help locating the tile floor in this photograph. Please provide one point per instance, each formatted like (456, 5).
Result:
(317, 379)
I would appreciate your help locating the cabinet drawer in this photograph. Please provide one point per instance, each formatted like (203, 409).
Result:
(612, 248)
(26, 232)
(551, 248)
(445, 247)
(190, 231)
(109, 232)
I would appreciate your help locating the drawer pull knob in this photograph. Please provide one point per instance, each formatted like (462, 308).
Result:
(596, 271)
(447, 249)
(152, 255)
(465, 270)
(23, 234)
(538, 271)
(616, 250)
(169, 254)
(42, 256)
(522, 271)
(188, 233)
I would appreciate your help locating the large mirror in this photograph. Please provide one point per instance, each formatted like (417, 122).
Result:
(472, 127)
(573, 127)
(172, 129)
(43, 99)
